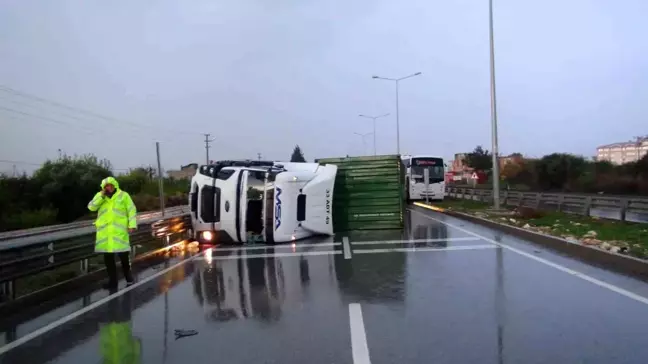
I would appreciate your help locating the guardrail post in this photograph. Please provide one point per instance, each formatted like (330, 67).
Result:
(561, 201)
(7, 290)
(588, 205)
(87, 300)
(11, 334)
(538, 200)
(504, 197)
(84, 268)
(624, 209)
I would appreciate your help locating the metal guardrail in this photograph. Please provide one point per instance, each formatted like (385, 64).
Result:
(37, 239)
(28, 260)
(620, 208)
(16, 234)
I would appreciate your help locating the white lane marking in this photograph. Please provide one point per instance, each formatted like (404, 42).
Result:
(217, 248)
(569, 271)
(423, 249)
(414, 241)
(359, 346)
(346, 247)
(274, 255)
(63, 320)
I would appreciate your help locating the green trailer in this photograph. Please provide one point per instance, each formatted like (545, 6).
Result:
(369, 192)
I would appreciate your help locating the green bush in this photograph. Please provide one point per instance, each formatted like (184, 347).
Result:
(28, 219)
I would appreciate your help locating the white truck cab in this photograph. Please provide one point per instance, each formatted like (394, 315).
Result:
(258, 201)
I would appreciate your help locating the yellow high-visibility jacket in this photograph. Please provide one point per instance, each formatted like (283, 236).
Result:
(118, 346)
(116, 215)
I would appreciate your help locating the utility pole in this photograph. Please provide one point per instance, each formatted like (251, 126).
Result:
(207, 146)
(160, 182)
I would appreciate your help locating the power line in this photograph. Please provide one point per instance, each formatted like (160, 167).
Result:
(20, 162)
(40, 164)
(34, 117)
(10, 90)
(39, 117)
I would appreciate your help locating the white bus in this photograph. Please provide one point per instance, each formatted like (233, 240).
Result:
(415, 185)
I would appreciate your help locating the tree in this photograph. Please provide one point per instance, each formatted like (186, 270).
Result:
(297, 155)
(560, 171)
(480, 159)
(68, 183)
(510, 171)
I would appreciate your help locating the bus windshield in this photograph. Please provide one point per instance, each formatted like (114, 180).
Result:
(433, 165)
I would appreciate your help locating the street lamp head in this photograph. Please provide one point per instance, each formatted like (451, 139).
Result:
(417, 73)
(374, 76)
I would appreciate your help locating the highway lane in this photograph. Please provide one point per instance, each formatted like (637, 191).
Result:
(442, 291)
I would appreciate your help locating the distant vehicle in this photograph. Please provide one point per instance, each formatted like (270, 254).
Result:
(261, 201)
(414, 178)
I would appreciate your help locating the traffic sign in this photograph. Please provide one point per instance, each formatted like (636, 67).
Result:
(474, 176)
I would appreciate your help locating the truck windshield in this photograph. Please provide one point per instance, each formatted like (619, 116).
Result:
(254, 201)
(433, 165)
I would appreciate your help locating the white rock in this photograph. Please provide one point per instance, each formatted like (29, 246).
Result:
(527, 226)
(571, 239)
(606, 246)
(591, 234)
(513, 220)
(615, 249)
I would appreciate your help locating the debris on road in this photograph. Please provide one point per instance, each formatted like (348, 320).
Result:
(184, 333)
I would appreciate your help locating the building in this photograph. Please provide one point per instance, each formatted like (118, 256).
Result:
(624, 152)
(515, 158)
(460, 172)
(185, 172)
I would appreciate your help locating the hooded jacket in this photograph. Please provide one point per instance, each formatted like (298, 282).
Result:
(116, 214)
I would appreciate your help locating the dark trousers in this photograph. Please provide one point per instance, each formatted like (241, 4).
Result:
(111, 267)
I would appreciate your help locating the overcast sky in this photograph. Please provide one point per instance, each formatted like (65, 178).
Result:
(262, 76)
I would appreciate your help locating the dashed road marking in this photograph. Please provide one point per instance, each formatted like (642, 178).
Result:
(209, 256)
(346, 247)
(414, 241)
(359, 347)
(423, 249)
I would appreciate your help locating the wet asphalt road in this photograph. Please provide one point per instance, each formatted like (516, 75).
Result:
(452, 296)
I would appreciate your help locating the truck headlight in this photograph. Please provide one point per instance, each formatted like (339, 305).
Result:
(207, 235)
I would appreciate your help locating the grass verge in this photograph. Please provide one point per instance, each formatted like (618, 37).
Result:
(613, 235)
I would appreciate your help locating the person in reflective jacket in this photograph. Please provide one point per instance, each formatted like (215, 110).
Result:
(118, 344)
(116, 218)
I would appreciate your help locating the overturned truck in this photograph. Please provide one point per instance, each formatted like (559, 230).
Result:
(276, 202)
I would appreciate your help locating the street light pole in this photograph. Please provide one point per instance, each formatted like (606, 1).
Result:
(397, 81)
(374, 127)
(364, 142)
(495, 148)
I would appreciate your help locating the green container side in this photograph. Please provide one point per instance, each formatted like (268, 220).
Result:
(368, 193)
